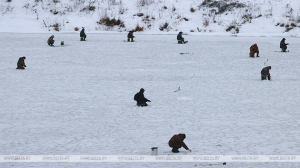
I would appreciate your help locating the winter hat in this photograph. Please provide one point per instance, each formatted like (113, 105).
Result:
(269, 67)
(142, 90)
(182, 135)
(24, 57)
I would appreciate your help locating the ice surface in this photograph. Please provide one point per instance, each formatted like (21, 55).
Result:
(78, 100)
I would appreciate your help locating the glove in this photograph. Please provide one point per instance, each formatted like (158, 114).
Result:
(149, 101)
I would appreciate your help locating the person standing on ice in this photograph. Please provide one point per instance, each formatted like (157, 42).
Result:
(176, 142)
(265, 73)
(253, 50)
(82, 35)
(140, 98)
(130, 36)
(21, 63)
(283, 45)
(180, 39)
(50, 40)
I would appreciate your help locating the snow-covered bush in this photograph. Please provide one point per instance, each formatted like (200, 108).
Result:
(111, 22)
(138, 28)
(164, 27)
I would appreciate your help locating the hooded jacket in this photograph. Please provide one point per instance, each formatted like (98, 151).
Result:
(177, 141)
(82, 33)
(140, 98)
(266, 70)
(179, 36)
(130, 34)
(254, 49)
(50, 40)
(282, 43)
(21, 62)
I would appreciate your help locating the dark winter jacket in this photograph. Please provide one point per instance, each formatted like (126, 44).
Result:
(82, 34)
(283, 44)
(140, 98)
(254, 49)
(130, 34)
(177, 141)
(21, 62)
(265, 70)
(50, 40)
(179, 36)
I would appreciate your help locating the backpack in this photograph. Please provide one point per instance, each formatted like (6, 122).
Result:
(135, 97)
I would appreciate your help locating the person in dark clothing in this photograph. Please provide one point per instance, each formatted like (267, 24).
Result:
(176, 142)
(265, 73)
(253, 50)
(130, 36)
(283, 45)
(180, 39)
(50, 41)
(82, 35)
(21, 63)
(140, 98)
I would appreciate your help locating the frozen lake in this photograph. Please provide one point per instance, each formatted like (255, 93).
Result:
(78, 100)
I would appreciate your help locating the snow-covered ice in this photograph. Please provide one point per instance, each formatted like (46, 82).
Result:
(78, 99)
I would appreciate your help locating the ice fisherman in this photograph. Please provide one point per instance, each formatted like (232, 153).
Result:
(180, 39)
(130, 36)
(176, 142)
(283, 45)
(21, 63)
(82, 35)
(50, 40)
(253, 50)
(140, 98)
(265, 72)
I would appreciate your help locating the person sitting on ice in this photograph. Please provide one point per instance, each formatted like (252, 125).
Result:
(130, 36)
(21, 63)
(283, 45)
(265, 73)
(253, 50)
(176, 142)
(180, 39)
(140, 98)
(50, 40)
(82, 35)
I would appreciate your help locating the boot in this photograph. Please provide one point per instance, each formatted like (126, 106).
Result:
(175, 150)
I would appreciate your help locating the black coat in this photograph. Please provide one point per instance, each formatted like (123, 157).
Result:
(266, 70)
(179, 36)
(21, 62)
(282, 44)
(82, 34)
(130, 34)
(140, 98)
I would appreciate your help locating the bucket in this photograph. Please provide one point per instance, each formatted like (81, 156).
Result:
(62, 43)
(154, 151)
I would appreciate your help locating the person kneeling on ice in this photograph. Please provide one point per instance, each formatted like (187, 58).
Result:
(21, 63)
(130, 36)
(82, 35)
(265, 73)
(176, 142)
(50, 41)
(283, 45)
(140, 98)
(180, 39)
(253, 50)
